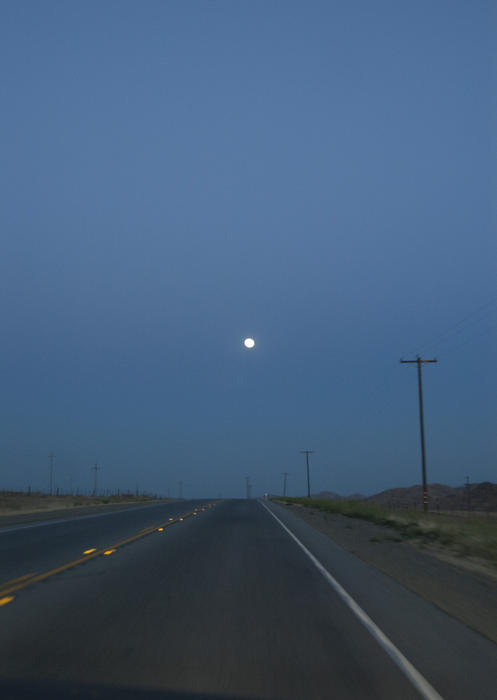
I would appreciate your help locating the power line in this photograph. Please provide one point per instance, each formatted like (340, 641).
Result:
(384, 402)
(459, 326)
(471, 339)
(457, 333)
(448, 336)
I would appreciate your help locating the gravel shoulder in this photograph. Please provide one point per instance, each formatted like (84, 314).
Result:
(465, 589)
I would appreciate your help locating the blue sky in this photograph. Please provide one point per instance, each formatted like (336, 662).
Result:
(178, 175)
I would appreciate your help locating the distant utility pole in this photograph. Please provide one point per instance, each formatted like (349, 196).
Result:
(285, 474)
(418, 361)
(468, 494)
(307, 453)
(95, 468)
(51, 457)
(249, 486)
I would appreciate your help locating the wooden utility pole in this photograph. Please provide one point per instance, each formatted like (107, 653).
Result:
(285, 474)
(418, 361)
(51, 457)
(95, 468)
(307, 453)
(468, 494)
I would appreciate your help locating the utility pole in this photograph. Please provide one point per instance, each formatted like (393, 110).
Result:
(468, 494)
(249, 486)
(95, 468)
(51, 457)
(285, 474)
(418, 361)
(307, 453)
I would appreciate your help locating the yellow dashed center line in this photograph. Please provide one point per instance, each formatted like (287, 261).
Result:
(17, 580)
(16, 584)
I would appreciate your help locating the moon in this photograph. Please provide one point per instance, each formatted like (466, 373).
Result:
(249, 342)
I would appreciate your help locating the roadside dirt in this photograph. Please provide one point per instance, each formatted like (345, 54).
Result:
(465, 589)
(61, 510)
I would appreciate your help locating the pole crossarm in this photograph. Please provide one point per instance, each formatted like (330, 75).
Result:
(410, 362)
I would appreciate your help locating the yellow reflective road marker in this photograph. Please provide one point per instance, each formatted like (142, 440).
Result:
(17, 584)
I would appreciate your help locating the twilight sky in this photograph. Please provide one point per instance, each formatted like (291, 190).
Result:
(176, 176)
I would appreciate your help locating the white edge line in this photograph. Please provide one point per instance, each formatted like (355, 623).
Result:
(413, 675)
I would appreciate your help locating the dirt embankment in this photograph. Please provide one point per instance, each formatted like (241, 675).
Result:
(465, 588)
(18, 507)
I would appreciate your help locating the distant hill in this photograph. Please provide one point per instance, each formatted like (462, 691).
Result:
(332, 496)
(482, 497)
(329, 495)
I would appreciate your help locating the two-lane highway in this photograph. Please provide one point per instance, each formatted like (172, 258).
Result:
(227, 603)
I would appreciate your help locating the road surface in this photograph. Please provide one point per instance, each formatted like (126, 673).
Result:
(227, 602)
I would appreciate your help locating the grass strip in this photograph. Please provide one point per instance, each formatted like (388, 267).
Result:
(463, 537)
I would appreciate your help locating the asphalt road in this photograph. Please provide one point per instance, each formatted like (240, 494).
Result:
(224, 603)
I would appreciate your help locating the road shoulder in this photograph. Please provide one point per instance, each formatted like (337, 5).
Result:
(468, 596)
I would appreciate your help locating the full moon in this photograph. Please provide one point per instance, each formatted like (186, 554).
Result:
(249, 342)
